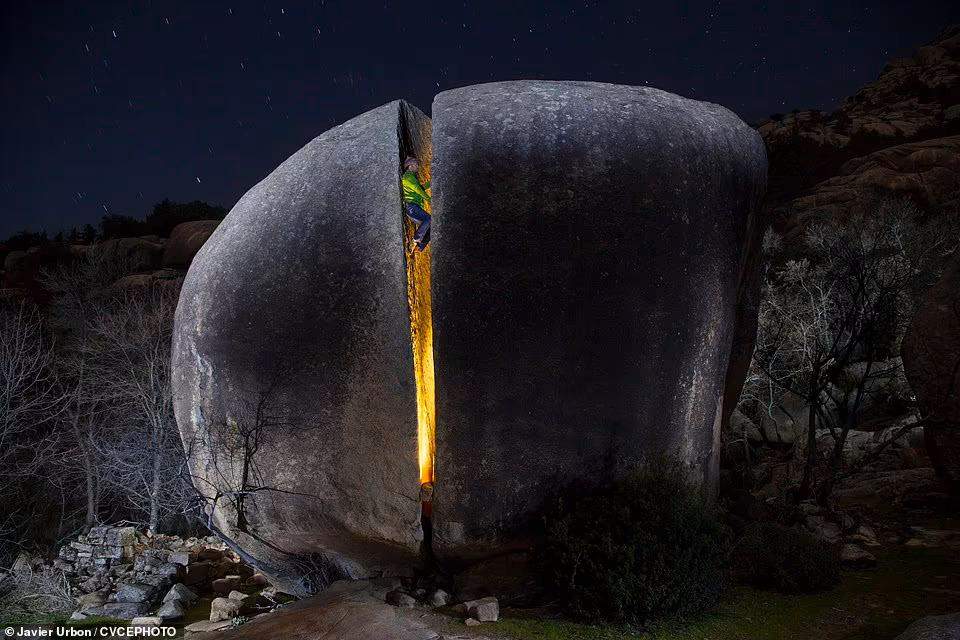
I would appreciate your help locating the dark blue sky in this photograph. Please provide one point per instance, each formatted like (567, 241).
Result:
(113, 106)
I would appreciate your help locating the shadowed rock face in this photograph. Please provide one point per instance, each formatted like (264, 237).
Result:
(588, 245)
(185, 241)
(293, 317)
(931, 361)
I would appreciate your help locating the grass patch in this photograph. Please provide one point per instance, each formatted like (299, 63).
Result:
(907, 584)
(636, 549)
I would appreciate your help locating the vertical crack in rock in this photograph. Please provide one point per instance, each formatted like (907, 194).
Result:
(421, 335)
(415, 141)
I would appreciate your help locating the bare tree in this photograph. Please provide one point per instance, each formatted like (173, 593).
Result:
(29, 400)
(79, 290)
(129, 337)
(846, 301)
(28, 388)
(117, 429)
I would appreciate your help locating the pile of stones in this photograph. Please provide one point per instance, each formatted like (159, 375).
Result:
(97, 550)
(156, 579)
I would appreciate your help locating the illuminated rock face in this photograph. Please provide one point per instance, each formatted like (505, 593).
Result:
(588, 243)
(297, 306)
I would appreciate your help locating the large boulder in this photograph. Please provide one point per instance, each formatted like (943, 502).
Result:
(589, 243)
(931, 360)
(185, 241)
(293, 325)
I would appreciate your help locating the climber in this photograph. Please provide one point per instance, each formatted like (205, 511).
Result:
(415, 196)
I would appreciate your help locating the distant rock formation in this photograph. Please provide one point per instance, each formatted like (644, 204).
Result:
(913, 100)
(137, 254)
(185, 241)
(21, 268)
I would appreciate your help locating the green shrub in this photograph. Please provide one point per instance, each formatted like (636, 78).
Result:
(637, 549)
(787, 559)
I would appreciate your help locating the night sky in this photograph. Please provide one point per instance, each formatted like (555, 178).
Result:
(113, 106)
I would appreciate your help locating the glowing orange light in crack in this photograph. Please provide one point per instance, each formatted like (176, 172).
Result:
(421, 333)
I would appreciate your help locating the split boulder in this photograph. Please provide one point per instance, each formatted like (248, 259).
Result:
(589, 244)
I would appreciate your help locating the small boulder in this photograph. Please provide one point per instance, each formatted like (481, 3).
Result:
(134, 592)
(122, 610)
(223, 609)
(205, 626)
(853, 556)
(180, 557)
(181, 592)
(146, 621)
(197, 573)
(439, 598)
(865, 537)
(485, 609)
(400, 599)
(257, 580)
(90, 600)
(210, 554)
(223, 586)
(124, 536)
(170, 570)
(96, 582)
(471, 622)
(172, 610)
(76, 615)
(823, 529)
(239, 596)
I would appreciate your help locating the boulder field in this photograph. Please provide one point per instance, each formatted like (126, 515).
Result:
(590, 247)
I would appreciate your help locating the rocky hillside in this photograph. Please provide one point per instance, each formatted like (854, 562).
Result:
(898, 135)
(146, 259)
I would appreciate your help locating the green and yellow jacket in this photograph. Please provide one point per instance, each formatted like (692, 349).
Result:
(413, 191)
